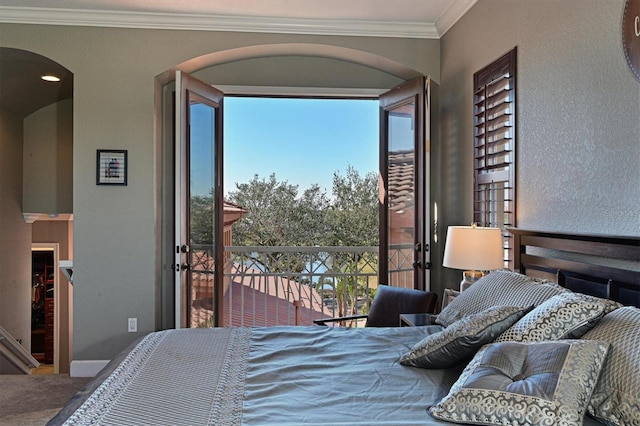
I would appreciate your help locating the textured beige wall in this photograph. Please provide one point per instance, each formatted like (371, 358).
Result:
(578, 114)
(578, 106)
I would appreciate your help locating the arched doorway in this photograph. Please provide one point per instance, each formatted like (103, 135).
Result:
(36, 191)
(319, 70)
(267, 69)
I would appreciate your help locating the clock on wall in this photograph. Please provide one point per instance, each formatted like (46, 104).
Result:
(631, 35)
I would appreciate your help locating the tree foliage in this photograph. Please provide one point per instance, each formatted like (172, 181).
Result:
(201, 216)
(353, 217)
(278, 215)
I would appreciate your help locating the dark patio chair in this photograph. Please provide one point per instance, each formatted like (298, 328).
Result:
(387, 305)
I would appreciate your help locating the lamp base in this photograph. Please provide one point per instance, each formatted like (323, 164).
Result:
(470, 277)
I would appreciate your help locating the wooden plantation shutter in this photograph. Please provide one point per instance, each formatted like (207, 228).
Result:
(494, 97)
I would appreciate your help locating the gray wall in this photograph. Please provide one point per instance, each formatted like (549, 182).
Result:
(15, 250)
(35, 177)
(116, 229)
(578, 115)
(48, 159)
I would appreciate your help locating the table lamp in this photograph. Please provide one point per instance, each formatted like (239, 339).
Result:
(475, 249)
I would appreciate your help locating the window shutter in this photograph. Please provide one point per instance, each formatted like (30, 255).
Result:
(494, 97)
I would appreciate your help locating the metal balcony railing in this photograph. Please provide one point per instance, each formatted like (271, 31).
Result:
(269, 286)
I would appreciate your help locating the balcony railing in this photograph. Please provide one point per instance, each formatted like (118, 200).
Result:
(268, 286)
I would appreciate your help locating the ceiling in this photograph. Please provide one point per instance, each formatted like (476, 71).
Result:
(22, 91)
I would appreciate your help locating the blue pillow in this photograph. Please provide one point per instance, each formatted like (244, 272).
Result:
(460, 341)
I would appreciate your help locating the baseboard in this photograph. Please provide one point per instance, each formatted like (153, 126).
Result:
(87, 368)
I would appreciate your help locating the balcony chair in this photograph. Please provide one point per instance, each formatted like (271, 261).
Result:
(387, 305)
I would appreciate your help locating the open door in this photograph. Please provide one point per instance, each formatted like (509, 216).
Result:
(199, 250)
(404, 185)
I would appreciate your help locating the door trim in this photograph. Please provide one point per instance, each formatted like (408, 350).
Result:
(410, 91)
(55, 248)
(187, 87)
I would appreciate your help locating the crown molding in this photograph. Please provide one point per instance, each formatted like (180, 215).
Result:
(452, 14)
(254, 24)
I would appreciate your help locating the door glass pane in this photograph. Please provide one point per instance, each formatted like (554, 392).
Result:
(202, 213)
(401, 194)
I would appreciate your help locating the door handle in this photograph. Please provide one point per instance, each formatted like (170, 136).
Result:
(416, 264)
(180, 267)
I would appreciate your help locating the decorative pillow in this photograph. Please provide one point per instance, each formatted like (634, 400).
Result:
(564, 316)
(448, 294)
(512, 383)
(498, 288)
(616, 399)
(460, 341)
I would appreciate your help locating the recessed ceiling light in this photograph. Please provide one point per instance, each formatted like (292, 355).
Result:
(52, 78)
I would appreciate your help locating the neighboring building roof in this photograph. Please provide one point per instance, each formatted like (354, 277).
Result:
(254, 298)
(273, 299)
(400, 180)
(233, 213)
(401, 195)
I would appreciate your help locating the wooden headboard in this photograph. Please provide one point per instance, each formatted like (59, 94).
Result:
(605, 266)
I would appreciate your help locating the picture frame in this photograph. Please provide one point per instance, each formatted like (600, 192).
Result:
(111, 167)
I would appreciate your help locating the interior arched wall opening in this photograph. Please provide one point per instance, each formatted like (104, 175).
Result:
(36, 202)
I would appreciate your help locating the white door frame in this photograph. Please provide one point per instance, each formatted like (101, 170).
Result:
(55, 247)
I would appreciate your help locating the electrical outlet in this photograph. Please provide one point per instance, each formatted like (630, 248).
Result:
(133, 325)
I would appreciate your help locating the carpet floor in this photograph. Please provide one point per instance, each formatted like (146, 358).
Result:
(32, 400)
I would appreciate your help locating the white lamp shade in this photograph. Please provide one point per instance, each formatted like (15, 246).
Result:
(473, 248)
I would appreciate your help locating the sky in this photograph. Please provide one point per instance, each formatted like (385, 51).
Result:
(302, 141)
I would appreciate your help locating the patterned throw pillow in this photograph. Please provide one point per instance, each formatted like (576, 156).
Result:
(616, 399)
(564, 316)
(533, 384)
(498, 288)
(460, 341)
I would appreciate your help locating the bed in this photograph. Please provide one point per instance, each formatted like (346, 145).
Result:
(487, 359)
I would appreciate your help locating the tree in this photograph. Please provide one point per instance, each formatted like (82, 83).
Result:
(353, 220)
(277, 216)
(202, 219)
(353, 217)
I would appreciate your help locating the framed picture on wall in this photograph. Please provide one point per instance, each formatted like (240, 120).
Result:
(111, 167)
